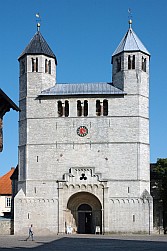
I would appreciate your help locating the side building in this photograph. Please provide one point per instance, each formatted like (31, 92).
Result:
(5, 105)
(84, 148)
(6, 194)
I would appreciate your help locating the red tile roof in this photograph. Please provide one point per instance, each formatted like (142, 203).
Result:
(6, 183)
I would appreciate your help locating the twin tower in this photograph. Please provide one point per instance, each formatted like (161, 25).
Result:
(84, 148)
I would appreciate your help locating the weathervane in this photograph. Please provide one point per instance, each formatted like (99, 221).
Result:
(130, 17)
(38, 20)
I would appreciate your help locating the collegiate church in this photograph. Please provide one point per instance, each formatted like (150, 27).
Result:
(84, 148)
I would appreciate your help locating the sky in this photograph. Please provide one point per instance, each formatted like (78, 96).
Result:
(83, 34)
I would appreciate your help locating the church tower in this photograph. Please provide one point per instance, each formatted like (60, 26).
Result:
(130, 73)
(37, 72)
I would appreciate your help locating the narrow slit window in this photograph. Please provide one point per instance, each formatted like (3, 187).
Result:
(49, 66)
(66, 108)
(79, 108)
(129, 62)
(133, 62)
(36, 65)
(22, 67)
(46, 65)
(33, 64)
(98, 108)
(85, 108)
(133, 218)
(60, 109)
(144, 64)
(118, 64)
(105, 107)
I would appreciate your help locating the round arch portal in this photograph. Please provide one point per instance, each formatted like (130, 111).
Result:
(84, 213)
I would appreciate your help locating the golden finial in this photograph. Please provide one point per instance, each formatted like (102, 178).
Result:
(130, 23)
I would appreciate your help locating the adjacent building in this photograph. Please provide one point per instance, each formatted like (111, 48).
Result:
(5, 105)
(6, 194)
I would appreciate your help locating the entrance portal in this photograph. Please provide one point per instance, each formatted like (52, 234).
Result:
(84, 219)
(84, 213)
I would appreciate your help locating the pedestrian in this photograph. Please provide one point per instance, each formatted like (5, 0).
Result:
(31, 234)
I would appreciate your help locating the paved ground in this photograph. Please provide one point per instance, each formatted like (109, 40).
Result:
(86, 242)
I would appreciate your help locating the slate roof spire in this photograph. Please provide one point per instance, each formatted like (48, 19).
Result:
(130, 42)
(38, 46)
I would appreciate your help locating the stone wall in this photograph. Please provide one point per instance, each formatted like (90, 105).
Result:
(6, 227)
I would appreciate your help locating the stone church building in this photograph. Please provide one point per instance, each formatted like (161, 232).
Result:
(84, 148)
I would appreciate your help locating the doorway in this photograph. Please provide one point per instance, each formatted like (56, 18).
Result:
(85, 219)
(84, 213)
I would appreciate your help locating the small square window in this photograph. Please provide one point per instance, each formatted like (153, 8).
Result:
(8, 202)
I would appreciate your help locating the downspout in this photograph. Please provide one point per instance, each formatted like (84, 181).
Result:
(58, 207)
(103, 213)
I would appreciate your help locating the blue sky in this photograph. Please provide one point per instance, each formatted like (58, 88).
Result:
(83, 34)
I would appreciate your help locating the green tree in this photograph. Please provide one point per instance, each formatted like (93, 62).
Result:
(161, 173)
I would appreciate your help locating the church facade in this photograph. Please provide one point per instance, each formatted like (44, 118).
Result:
(84, 148)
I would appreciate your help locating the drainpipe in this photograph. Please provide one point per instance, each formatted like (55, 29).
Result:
(57, 207)
(149, 217)
(103, 212)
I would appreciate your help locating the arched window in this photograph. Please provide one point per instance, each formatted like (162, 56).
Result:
(66, 108)
(144, 64)
(105, 107)
(22, 68)
(60, 109)
(49, 65)
(85, 108)
(131, 62)
(34, 64)
(46, 65)
(98, 108)
(79, 108)
(118, 60)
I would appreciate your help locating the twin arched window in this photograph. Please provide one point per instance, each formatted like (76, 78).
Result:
(102, 107)
(63, 108)
(82, 108)
(34, 65)
(131, 63)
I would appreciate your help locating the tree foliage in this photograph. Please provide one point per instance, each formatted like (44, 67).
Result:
(161, 171)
